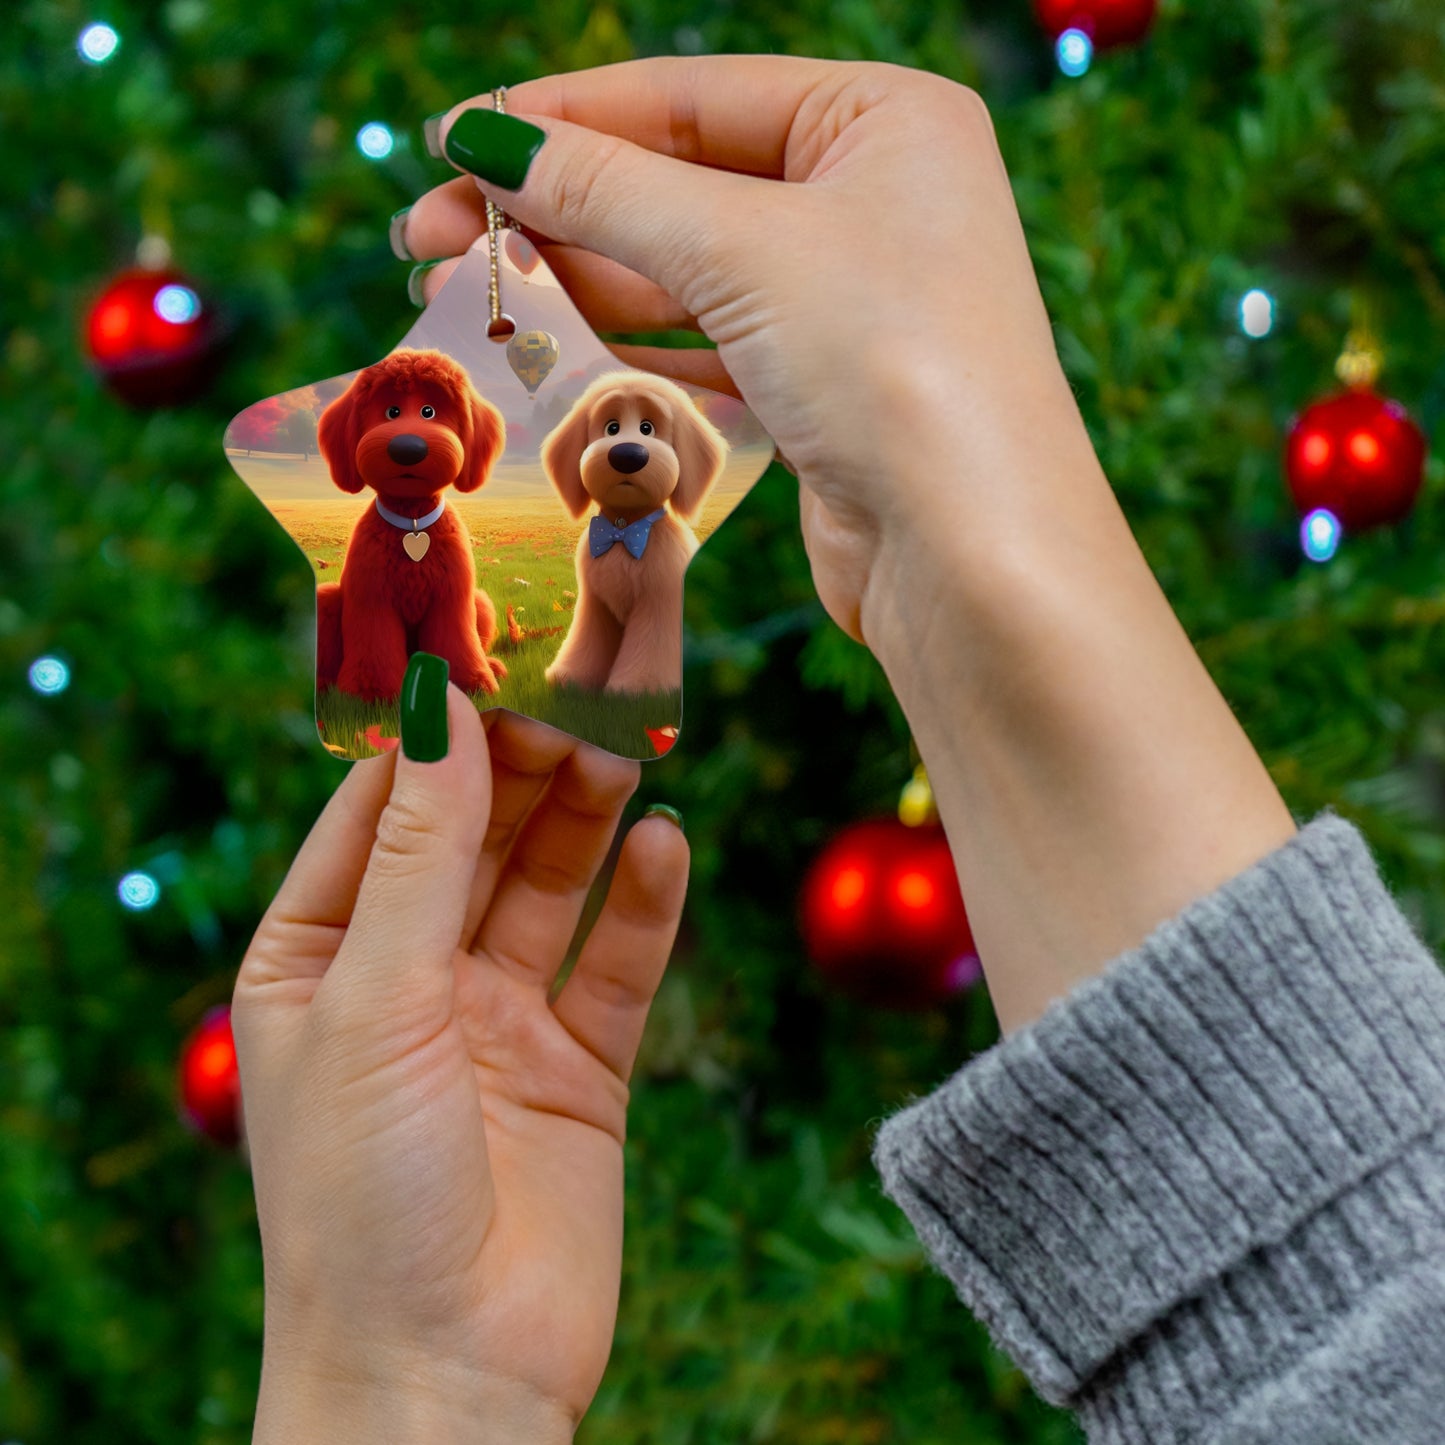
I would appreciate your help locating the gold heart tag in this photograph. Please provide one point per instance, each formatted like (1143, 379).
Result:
(416, 544)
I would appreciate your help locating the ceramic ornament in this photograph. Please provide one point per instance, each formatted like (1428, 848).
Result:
(520, 503)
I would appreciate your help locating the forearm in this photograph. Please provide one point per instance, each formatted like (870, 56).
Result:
(1091, 778)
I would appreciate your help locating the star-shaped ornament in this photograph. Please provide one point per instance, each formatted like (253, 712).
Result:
(470, 477)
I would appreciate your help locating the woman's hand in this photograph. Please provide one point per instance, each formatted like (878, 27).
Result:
(437, 1149)
(847, 234)
(879, 311)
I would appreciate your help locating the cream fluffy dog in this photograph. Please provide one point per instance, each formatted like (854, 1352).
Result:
(638, 449)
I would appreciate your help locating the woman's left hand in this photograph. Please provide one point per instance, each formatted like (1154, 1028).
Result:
(436, 1145)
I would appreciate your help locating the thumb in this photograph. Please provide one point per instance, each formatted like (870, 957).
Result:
(666, 219)
(407, 922)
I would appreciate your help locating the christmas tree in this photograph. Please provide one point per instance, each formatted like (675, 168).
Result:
(1213, 209)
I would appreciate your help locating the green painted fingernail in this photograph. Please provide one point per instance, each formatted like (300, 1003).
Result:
(396, 234)
(498, 148)
(671, 814)
(431, 133)
(424, 708)
(414, 292)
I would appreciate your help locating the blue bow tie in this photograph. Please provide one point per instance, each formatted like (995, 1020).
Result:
(602, 534)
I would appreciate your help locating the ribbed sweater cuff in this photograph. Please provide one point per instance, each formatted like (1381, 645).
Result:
(1178, 1159)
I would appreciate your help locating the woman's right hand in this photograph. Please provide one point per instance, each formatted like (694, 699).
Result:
(846, 234)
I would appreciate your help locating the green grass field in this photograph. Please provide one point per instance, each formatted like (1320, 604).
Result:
(524, 560)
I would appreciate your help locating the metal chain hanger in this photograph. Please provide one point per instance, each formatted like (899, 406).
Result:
(499, 327)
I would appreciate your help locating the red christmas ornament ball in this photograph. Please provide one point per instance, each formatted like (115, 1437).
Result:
(152, 338)
(1358, 455)
(1107, 23)
(210, 1082)
(883, 919)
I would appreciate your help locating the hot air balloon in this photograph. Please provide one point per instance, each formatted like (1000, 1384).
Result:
(532, 355)
(521, 252)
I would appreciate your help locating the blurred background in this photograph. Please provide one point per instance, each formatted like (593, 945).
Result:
(1235, 208)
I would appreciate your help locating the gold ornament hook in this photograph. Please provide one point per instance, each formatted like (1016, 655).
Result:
(915, 804)
(1362, 359)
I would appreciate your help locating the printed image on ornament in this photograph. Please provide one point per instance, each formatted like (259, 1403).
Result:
(524, 507)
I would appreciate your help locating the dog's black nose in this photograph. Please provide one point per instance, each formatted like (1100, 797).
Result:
(628, 457)
(407, 450)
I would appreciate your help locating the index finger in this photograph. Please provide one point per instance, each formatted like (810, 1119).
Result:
(734, 112)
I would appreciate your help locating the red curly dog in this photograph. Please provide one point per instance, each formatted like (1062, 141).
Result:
(408, 427)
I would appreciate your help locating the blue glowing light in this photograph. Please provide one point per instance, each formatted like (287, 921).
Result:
(1319, 535)
(97, 43)
(177, 304)
(1256, 313)
(1075, 52)
(138, 891)
(49, 675)
(375, 141)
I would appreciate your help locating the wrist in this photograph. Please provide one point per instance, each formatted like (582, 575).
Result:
(966, 559)
(990, 473)
(400, 1399)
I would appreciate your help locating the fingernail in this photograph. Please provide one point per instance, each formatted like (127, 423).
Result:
(671, 814)
(396, 234)
(424, 708)
(497, 147)
(414, 291)
(431, 133)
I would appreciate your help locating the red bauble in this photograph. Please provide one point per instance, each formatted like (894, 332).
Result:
(210, 1082)
(152, 338)
(883, 918)
(1359, 456)
(1106, 22)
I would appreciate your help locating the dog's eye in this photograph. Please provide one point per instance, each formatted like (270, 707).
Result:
(613, 427)
(646, 428)
(428, 412)
(392, 412)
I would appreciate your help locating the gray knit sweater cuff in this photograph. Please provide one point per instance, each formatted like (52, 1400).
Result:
(1163, 1186)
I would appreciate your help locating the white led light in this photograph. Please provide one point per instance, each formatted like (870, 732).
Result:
(1256, 313)
(138, 891)
(97, 43)
(1320, 535)
(1075, 52)
(375, 141)
(49, 675)
(177, 304)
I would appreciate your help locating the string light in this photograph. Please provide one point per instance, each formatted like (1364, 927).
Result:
(97, 43)
(375, 140)
(138, 891)
(49, 675)
(1075, 52)
(1256, 314)
(177, 304)
(1320, 535)
(966, 969)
